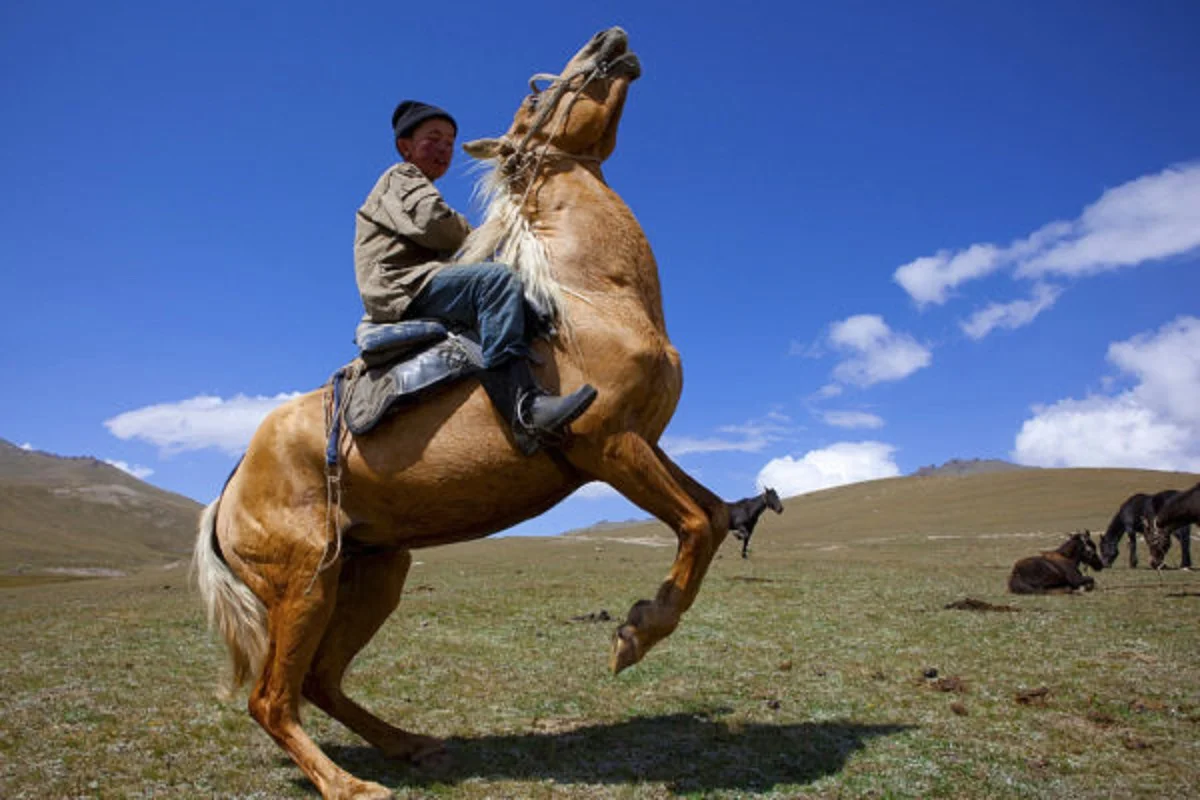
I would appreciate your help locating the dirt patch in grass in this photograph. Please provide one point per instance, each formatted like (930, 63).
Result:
(950, 683)
(1033, 697)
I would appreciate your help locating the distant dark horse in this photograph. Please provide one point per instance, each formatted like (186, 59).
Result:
(744, 514)
(1137, 515)
(1057, 570)
(1176, 515)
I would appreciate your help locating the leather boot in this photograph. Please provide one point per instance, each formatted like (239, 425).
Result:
(535, 417)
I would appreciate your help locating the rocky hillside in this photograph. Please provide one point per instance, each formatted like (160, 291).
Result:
(971, 466)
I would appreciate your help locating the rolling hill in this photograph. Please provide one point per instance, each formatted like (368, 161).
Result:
(949, 503)
(76, 513)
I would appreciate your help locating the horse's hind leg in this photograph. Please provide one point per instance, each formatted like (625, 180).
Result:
(630, 465)
(1185, 546)
(369, 590)
(296, 622)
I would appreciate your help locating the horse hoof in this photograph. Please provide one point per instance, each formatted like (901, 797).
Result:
(625, 651)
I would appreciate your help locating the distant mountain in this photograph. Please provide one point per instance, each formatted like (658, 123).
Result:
(605, 525)
(974, 466)
(63, 512)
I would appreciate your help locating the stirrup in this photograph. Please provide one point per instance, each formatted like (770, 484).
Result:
(576, 403)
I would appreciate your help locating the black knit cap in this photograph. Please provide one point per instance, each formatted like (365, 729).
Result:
(411, 113)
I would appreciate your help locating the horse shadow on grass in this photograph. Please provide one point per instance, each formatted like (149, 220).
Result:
(688, 752)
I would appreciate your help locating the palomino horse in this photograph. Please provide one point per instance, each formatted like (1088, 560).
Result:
(299, 572)
(1138, 515)
(1057, 570)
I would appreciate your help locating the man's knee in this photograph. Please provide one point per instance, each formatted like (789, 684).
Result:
(499, 280)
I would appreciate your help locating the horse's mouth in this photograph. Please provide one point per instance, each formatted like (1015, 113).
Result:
(613, 58)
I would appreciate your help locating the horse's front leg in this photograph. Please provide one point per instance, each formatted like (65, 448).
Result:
(1077, 580)
(1133, 535)
(631, 466)
(1184, 533)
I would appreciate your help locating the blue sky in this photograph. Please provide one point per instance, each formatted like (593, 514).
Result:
(888, 234)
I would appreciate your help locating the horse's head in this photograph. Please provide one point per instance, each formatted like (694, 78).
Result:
(1086, 550)
(1158, 541)
(579, 111)
(773, 502)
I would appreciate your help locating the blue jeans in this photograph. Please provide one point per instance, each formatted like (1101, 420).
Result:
(488, 298)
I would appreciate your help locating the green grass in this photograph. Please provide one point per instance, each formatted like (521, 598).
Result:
(798, 673)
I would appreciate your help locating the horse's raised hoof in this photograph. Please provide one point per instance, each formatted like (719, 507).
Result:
(625, 649)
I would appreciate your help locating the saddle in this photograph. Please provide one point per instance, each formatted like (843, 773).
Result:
(402, 361)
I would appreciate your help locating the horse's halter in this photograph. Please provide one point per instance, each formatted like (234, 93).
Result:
(560, 84)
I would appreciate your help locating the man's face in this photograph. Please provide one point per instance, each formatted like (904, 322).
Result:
(430, 147)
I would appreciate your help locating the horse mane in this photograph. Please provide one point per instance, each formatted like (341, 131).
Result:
(506, 237)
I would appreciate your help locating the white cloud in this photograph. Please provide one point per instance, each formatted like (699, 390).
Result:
(1100, 432)
(1151, 218)
(596, 490)
(27, 446)
(852, 419)
(197, 423)
(1153, 425)
(1148, 219)
(930, 278)
(836, 465)
(137, 471)
(1011, 315)
(749, 437)
(878, 353)
(676, 446)
(1167, 367)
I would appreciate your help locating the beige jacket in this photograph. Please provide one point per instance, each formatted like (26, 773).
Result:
(404, 233)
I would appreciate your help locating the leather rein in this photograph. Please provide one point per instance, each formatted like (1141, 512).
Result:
(559, 85)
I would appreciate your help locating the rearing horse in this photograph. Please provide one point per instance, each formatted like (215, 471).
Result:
(299, 572)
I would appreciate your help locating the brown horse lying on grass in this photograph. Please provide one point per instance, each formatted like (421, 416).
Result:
(1057, 570)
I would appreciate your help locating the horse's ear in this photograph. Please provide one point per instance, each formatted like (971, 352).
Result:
(483, 148)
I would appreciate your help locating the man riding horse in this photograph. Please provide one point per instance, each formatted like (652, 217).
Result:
(404, 237)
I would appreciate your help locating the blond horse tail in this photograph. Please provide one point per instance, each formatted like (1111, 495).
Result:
(231, 607)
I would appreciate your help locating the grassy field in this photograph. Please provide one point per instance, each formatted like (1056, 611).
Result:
(801, 672)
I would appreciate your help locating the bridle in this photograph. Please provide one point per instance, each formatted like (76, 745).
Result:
(521, 154)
